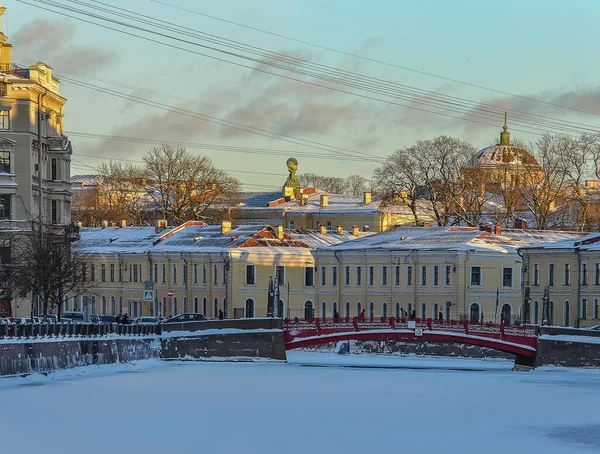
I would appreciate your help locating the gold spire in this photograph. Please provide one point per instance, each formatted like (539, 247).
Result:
(505, 135)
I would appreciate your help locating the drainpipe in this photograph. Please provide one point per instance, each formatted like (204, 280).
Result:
(578, 305)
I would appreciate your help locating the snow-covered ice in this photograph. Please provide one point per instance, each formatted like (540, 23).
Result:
(375, 404)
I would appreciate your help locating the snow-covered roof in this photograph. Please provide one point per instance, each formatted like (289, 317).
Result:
(586, 242)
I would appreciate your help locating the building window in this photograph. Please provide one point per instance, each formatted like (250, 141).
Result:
(203, 273)
(103, 272)
(224, 273)
(309, 276)
(436, 275)
(174, 274)
(92, 272)
(584, 270)
(583, 314)
(507, 277)
(291, 225)
(475, 276)
(334, 275)
(215, 274)
(384, 275)
(4, 120)
(346, 275)
(323, 273)
(196, 275)
(536, 274)
(396, 274)
(250, 275)
(595, 309)
(5, 206)
(371, 275)
(120, 272)
(448, 279)
(567, 274)
(358, 275)
(4, 161)
(53, 169)
(54, 212)
(164, 273)
(423, 275)
(408, 275)
(136, 273)
(597, 274)
(551, 274)
(280, 273)
(156, 272)
(112, 272)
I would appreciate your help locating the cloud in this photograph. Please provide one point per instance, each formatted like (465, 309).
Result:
(53, 42)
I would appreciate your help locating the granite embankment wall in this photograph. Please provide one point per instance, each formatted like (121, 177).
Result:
(568, 347)
(232, 339)
(27, 356)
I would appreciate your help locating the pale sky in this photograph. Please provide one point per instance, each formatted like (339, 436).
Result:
(543, 49)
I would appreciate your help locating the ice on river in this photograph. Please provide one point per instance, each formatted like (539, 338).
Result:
(361, 404)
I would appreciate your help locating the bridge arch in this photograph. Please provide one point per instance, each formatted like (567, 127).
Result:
(475, 312)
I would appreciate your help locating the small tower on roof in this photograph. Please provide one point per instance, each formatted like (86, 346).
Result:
(505, 135)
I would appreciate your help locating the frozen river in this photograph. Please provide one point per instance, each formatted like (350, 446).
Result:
(378, 404)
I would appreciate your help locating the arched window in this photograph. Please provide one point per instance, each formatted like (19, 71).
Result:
(409, 310)
(309, 310)
(397, 310)
(474, 313)
(334, 310)
(423, 310)
(323, 310)
(103, 305)
(216, 307)
(435, 311)
(347, 309)
(358, 309)
(163, 309)
(566, 313)
(551, 313)
(371, 310)
(196, 304)
(447, 309)
(536, 312)
(224, 307)
(384, 313)
(174, 308)
(248, 309)
(94, 305)
(113, 305)
(204, 306)
(506, 313)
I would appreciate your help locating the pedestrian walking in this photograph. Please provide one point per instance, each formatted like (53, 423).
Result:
(124, 319)
(221, 317)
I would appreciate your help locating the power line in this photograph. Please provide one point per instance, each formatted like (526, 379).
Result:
(373, 60)
(451, 108)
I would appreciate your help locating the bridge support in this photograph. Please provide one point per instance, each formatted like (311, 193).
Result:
(523, 362)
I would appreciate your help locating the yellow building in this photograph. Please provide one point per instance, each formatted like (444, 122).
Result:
(568, 271)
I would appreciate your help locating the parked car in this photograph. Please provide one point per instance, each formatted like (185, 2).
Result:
(66, 320)
(146, 321)
(186, 317)
(108, 319)
(51, 318)
(595, 328)
(94, 318)
(4, 321)
(18, 320)
(77, 317)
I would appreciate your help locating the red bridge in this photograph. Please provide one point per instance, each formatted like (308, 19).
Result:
(518, 340)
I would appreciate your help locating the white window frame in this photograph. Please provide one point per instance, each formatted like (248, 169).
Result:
(471, 276)
(384, 274)
(409, 272)
(423, 274)
(536, 275)
(253, 267)
(551, 282)
(512, 276)
(448, 276)
(371, 276)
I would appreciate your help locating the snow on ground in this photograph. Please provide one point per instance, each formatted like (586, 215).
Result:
(379, 404)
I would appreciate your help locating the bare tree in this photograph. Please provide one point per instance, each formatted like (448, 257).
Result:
(355, 185)
(46, 264)
(334, 185)
(184, 186)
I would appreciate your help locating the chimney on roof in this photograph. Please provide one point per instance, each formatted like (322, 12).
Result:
(340, 229)
(161, 225)
(367, 197)
(355, 230)
(591, 184)
(324, 200)
(279, 232)
(123, 223)
(520, 224)
(298, 193)
(498, 229)
(225, 227)
(304, 200)
(323, 229)
(288, 191)
(366, 228)
(104, 224)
